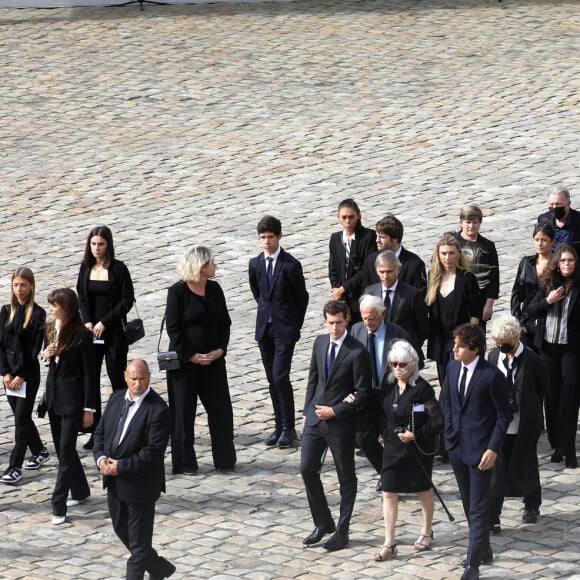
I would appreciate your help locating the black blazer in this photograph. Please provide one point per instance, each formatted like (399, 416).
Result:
(465, 306)
(196, 324)
(19, 347)
(530, 381)
(408, 309)
(121, 297)
(350, 373)
(350, 279)
(392, 333)
(286, 301)
(71, 385)
(539, 308)
(480, 423)
(412, 270)
(141, 473)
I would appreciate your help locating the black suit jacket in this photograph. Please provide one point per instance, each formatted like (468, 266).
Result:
(408, 309)
(71, 385)
(141, 473)
(350, 373)
(392, 333)
(412, 270)
(286, 301)
(480, 423)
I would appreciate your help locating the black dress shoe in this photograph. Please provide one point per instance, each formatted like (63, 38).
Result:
(318, 533)
(556, 457)
(169, 570)
(336, 542)
(273, 439)
(530, 516)
(571, 462)
(287, 437)
(495, 529)
(470, 573)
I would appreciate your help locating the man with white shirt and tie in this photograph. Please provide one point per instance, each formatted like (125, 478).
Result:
(477, 413)
(340, 365)
(129, 450)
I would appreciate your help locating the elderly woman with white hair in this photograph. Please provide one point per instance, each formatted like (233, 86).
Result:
(516, 472)
(412, 421)
(198, 325)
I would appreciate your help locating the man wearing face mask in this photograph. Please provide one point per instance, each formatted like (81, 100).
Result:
(516, 472)
(565, 220)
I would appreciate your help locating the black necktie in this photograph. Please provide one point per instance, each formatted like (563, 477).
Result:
(122, 419)
(330, 358)
(462, 384)
(269, 271)
(387, 303)
(510, 381)
(373, 353)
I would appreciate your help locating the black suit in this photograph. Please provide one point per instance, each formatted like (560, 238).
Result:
(408, 310)
(140, 480)
(349, 274)
(412, 270)
(285, 304)
(71, 387)
(350, 373)
(370, 418)
(472, 427)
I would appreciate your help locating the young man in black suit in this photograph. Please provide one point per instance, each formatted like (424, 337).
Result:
(390, 237)
(129, 450)
(404, 304)
(477, 414)
(278, 286)
(340, 365)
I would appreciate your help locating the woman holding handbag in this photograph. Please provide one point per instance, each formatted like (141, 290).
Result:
(71, 396)
(198, 325)
(22, 329)
(106, 295)
(412, 422)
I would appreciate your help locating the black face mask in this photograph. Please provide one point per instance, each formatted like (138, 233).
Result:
(557, 212)
(506, 348)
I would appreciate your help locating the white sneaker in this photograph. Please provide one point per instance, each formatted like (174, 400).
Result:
(36, 461)
(12, 475)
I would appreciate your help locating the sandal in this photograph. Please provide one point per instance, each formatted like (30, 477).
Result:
(387, 553)
(420, 545)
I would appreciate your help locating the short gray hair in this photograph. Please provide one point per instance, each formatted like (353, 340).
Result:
(560, 190)
(189, 267)
(506, 327)
(374, 302)
(387, 257)
(403, 351)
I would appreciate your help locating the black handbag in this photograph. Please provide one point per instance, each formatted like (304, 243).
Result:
(167, 359)
(134, 329)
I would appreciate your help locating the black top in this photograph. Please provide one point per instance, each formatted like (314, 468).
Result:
(19, 347)
(98, 296)
(197, 324)
(526, 286)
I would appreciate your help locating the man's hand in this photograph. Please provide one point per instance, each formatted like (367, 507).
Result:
(108, 466)
(487, 460)
(323, 412)
(349, 398)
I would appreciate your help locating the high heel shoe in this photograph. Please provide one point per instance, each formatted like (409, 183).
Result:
(388, 552)
(420, 545)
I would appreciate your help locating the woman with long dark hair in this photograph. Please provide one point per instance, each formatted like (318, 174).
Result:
(22, 329)
(106, 294)
(527, 282)
(557, 309)
(349, 249)
(71, 396)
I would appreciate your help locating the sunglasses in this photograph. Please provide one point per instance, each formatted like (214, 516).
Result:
(396, 364)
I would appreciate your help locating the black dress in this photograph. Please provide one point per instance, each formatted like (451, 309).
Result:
(402, 472)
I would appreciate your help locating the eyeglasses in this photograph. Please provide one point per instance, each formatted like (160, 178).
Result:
(396, 364)
(566, 260)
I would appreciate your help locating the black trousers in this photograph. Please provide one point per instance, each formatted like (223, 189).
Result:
(562, 398)
(370, 426)
(533, 500)
(70, 476)
(314, 444)
(25, 431)
(210, 385)
(277, 360)
(133, 524)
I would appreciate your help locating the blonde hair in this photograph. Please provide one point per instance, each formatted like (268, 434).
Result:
(189, 267)
(26, 274)
(506, 327)
(436, 271)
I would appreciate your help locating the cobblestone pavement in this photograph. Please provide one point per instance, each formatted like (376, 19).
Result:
(185, 124)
